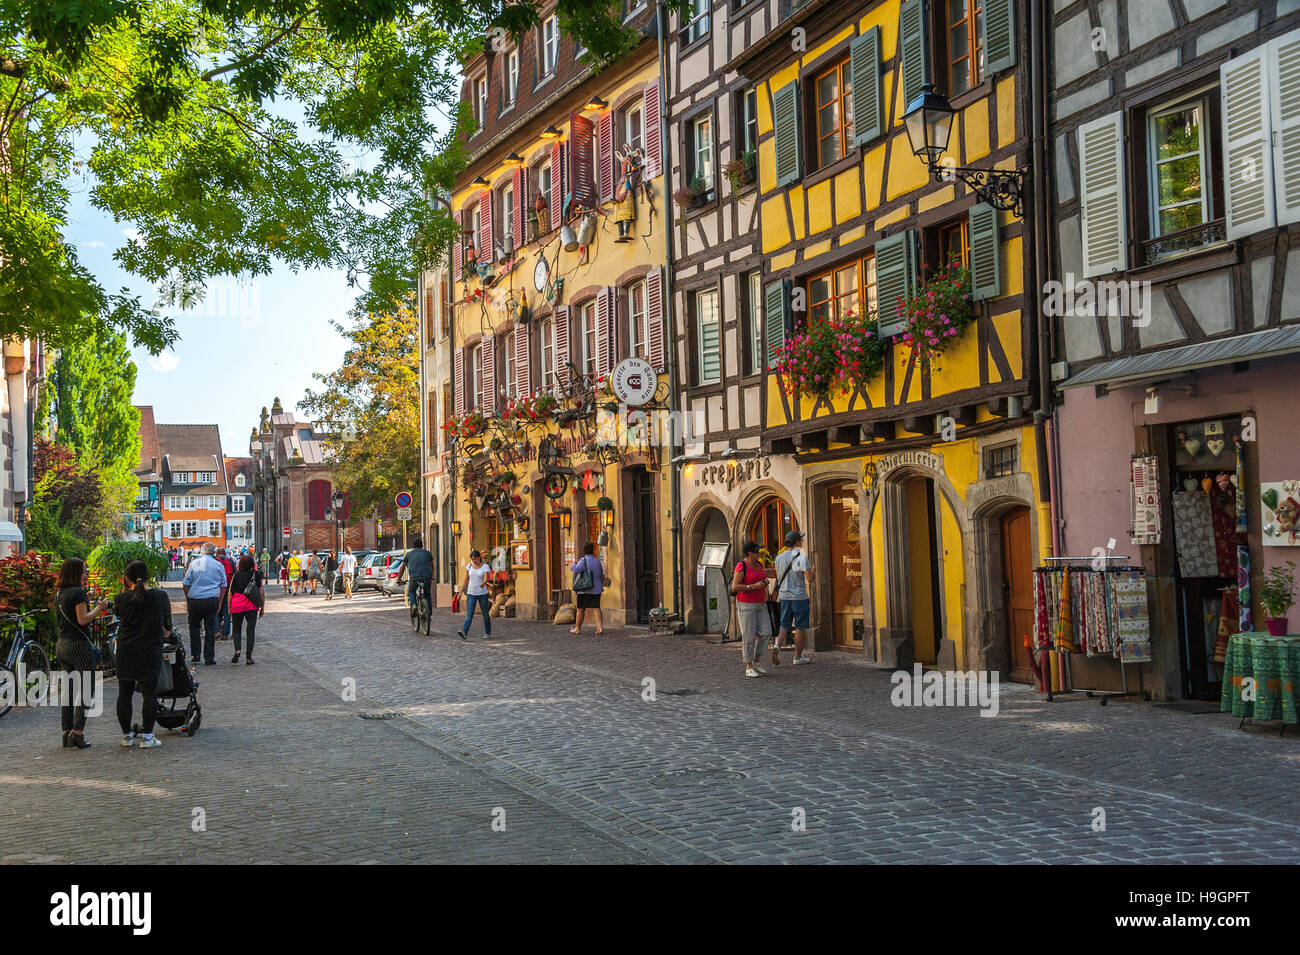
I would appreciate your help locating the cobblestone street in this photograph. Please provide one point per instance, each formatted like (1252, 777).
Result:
(554, 730)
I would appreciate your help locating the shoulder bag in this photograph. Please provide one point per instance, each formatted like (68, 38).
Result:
(584, 579)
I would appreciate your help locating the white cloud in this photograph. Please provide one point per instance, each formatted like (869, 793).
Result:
(94, 244)
(164, 362)
(135, 235)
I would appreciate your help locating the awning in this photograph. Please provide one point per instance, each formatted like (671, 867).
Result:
(9, 531)
(1221, 351)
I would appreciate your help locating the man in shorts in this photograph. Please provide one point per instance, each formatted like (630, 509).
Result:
(282, 567)
(794, 574)
(348, 568)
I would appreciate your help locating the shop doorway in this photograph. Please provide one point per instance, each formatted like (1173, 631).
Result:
(646, 560)
(922, 566)
(1017, 590)
(554, 561)
(713, 555)
(845, 566)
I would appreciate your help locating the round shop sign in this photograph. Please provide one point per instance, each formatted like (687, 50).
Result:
(634, 381)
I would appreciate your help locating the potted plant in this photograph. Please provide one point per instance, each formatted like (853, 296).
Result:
(740, 171)
(832, 354)
(684, 197)
(1276, 596)
(938, 313)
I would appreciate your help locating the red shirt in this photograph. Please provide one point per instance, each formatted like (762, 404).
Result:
(752, 576)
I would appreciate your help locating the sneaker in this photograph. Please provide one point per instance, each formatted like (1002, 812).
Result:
(776, 656)
(128, 740)
(750, 671)
(487, 636)
(761, 671)
(148, 741)
(799, 660)
(461, 634)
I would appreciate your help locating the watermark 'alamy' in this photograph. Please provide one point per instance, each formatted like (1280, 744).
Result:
(1084, 298)
(953, 688)
(74, 907)
(36, 688)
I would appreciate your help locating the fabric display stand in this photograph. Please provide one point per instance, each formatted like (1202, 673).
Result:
(1078, 609)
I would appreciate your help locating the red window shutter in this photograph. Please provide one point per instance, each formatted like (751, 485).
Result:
(605, 174)
(459, 374)
(485, 226)
(347, 506)
(653, 133)
(489, 352)
(520, 199)
(604, 331)
(523, 373)
(562, 353)
(654, 307)
(557, 184)
(457, 249)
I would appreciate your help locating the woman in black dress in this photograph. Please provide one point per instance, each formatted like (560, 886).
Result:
(73, 649)
(146, 617)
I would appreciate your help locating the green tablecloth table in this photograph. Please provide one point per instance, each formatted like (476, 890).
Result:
(1274, 664)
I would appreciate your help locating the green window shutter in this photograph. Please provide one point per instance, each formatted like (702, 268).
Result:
(868, 97)
(913, 48)
(985, 265)
(776, 312)
(785, 111)
(895, 271)
(999, 35)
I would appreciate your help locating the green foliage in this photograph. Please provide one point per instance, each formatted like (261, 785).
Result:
(92, 380)
(27, 583)
(108, 562)
(74, 502)
(1277, 591)
(377, 389)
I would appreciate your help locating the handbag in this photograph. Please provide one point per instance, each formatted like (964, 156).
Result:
(774, 604)
(583, 580)
(166, 679)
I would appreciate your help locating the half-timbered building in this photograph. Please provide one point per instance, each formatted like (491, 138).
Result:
(557, 280)
(918, 485)
(1177, 178)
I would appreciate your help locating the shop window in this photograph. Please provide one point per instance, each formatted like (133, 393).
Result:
(834, 113)
(1000, 461)
(773, 520)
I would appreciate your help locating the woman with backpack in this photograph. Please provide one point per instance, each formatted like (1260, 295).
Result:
(588, 585)
(145, 617)
(247, 603)
(749, 584)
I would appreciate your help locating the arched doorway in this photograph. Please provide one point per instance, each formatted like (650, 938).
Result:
(845, 577)
(772, 520)
(708, 540)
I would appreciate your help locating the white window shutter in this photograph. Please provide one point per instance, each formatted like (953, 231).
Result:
(1284, 87)
(1248, 172)
(1101, 177)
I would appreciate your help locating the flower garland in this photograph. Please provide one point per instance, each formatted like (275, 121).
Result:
(832, 354)
(937, 314)
(468, 425)
(532, 407)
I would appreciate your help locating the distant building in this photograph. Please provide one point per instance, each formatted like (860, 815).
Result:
(144, 523)
(293, 485)
(193, 487)
(24, 372)
(240, 522)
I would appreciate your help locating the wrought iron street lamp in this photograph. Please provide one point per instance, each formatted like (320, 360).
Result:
(928, 121)
(336, 500)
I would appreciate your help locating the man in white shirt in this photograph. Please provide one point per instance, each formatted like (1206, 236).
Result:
(793, 573)
(348, 568)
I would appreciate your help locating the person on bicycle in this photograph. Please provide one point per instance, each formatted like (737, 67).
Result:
(419, 573)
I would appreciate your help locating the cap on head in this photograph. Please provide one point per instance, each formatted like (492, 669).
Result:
(793, 537)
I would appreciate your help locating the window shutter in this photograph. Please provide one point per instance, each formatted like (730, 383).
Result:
(999, 35)
(985, 264)
(913, 49)
(520, 198)
(895, 277)
(653, 133)
(604, 331)
(654, 305)
(557, 183)
(458, 247)
(459, 375)
(776, 311)
(1248, 177)
(488, 352)
(523, 372)
(785, 110)
(1101, 188)
(605, 174)
(562, 353)
(1284, 83)
(486, 253)
(868, 95)
(710, 332)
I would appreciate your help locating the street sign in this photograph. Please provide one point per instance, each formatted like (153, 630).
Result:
(403, 513)
(286, 532)
(404, 500)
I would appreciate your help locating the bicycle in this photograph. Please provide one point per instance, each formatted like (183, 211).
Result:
(24, 652)
(421, 615)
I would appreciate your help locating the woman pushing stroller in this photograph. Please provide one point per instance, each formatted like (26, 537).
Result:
(145, 617)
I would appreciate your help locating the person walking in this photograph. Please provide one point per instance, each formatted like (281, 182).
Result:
(145, 616)
(749, 584)
(476, 594)
(588, 598)
(295, 572)
(205, 590)
(223, 617)
(73, 650)
(331, 571)
(348, 568)
(264, 563)
(794, 574)
(247, 608)
(282, 570)
(313, 572)
(419, 574)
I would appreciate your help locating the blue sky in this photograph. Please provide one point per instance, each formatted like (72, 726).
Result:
(239, 349)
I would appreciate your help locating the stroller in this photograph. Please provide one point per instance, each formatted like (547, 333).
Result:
(178, 704)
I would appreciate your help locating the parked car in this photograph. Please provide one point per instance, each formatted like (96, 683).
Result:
(394, 584)
(374, 572)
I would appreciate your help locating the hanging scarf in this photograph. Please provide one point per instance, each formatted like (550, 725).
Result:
(1241, 485)
(1246, 622)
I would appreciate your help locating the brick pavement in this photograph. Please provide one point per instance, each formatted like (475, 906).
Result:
(555, 728)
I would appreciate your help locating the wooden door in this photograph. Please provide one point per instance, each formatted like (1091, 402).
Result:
(554, 556)
(1018, 589)
(845, 566)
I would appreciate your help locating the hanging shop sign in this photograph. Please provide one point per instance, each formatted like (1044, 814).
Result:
(923, 459)
(1144, 493)
(634, 382)
(734, 472)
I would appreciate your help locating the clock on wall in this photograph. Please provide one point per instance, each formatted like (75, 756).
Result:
(541, 274)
